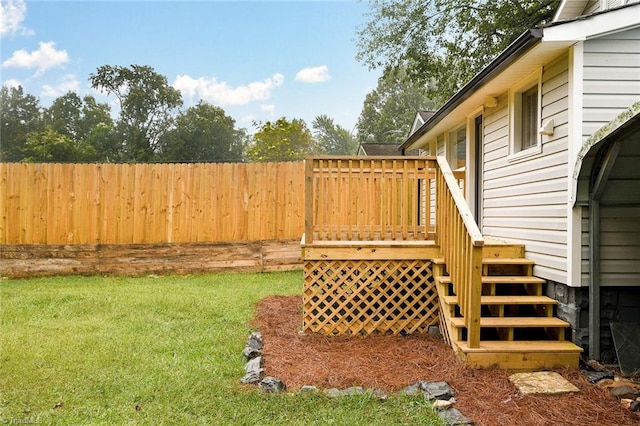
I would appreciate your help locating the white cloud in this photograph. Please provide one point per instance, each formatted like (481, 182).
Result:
(46, 57)
(220, 93)
(268, 108)
(12, 13)
(313, 74)
(68, 84)
(11, 83)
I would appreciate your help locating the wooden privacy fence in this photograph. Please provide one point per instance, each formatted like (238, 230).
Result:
(150, 203)
(368, 198)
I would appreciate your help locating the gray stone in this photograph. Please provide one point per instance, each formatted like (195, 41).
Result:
(453, 417)
(436, 390)
(635, 406)
(253, 347)
(413, 389)
(354, 390)
(272, 385)
(624, 392)
(309, 389)
(253, 368)
(250, 378)
(254, 364)
(596, 376)
(333, 393)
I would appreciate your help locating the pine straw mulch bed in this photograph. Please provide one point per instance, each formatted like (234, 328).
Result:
(391, 363)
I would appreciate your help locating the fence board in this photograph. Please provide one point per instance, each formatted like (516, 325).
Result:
(150, 203)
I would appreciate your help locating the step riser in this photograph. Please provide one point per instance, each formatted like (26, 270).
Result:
(522, 361)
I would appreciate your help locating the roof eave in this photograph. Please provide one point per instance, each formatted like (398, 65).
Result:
(516, 49)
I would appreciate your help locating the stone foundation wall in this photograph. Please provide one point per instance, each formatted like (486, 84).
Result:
(34, 260)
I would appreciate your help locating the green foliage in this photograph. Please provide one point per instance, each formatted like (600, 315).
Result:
(389, 110)
(445, 42)
(332, 138)
(147, 103)
(19, 117)
(282, 140)
(155, 350)
(203, 133)
(51, 146)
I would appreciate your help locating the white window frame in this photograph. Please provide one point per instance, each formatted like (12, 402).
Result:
(449, 144)
(516, 151)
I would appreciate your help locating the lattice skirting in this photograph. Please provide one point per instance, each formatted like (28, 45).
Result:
(369, 296)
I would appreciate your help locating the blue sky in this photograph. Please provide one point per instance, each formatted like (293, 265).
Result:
(257, 60)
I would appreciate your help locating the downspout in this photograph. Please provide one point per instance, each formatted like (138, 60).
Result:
(594, 278)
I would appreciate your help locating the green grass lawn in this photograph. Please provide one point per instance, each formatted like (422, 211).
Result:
(154, 350)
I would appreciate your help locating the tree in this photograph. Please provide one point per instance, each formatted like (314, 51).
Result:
(389, 110)
(50, 146)
(444, 42)
(282, 141)
(332, 138)
(147, 103)
(19, 117)
(203, 133)
(87, 123)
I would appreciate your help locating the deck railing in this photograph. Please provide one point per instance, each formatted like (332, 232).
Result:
(369, 198)
(461, 244)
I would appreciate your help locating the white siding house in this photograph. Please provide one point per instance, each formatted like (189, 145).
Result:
(556, 165)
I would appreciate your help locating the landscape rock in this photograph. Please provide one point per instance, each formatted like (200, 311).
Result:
(413, 389)
(254, 370)
(635, 406)
(253, 347)
(250, 378)
(596, 376)
(624, 392)
(333, 393)
(453, 417)
(354, 390)
(309, 389)
(436, 390)
(272, 385)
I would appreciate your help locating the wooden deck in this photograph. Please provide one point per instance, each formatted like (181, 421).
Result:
(391, 247)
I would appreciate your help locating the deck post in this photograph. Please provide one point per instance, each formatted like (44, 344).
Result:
(308, 200)
(473, 327)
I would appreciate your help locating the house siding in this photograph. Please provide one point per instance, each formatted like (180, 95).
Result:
(525, 200)
(611, 79)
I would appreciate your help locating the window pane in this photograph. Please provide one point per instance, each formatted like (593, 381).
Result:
(457, 140)
(529, 130)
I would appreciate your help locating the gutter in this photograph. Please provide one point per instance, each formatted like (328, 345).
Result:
(508, 56)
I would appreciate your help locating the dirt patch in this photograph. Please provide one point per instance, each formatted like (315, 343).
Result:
(392, 362)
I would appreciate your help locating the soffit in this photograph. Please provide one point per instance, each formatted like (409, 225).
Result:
(536, 57)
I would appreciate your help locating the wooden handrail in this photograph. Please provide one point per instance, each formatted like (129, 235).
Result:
(368, 198)
(461, 244)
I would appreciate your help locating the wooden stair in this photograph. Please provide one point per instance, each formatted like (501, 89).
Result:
(518, 329)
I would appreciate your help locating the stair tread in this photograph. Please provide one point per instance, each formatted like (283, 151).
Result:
(517, 322)
(521, 346)
(500, 279)
(507, 261)
(507, 300)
